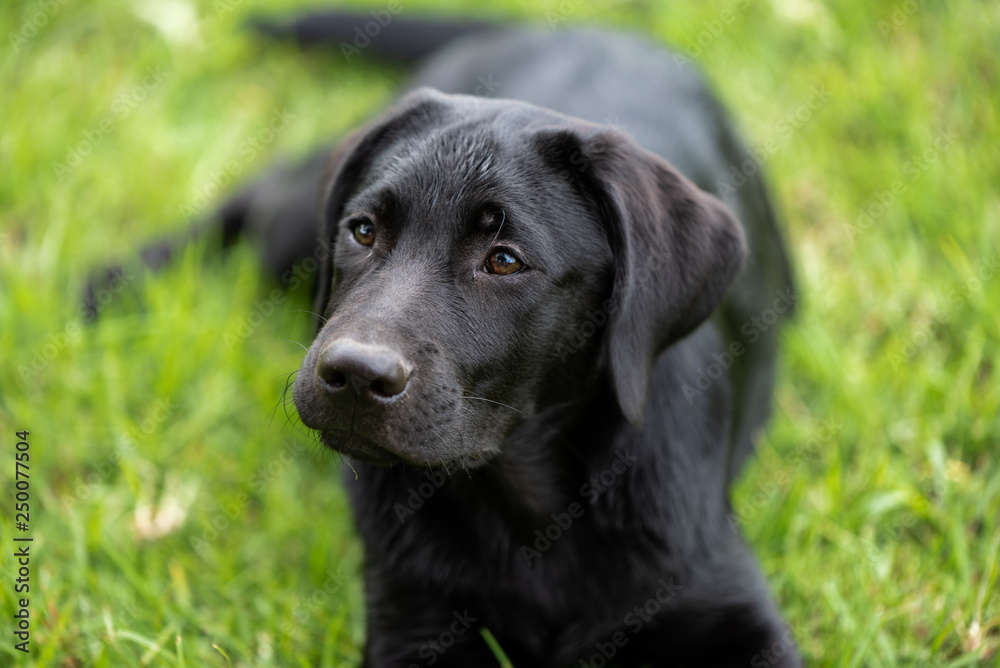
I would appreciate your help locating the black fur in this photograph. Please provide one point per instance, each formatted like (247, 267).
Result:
(556, 468)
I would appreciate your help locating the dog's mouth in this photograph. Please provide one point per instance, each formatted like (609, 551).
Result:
(363, 449)
(359, 448)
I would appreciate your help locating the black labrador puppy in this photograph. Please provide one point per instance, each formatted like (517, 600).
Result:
(535, 349)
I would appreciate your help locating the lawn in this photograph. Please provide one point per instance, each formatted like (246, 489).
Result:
(181, 518)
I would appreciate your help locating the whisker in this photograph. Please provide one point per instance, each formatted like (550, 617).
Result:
(298, 310)
(319, 451)
(281, 398)
(441, 439)
(502, 221)
(494, 402)
(300, 345)
(548, 428)
(291, 420)
(295, 424)
(305, 348)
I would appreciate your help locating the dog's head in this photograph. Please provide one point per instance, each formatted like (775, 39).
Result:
(493, 259)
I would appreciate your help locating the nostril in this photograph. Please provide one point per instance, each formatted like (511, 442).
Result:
(391, 380)
(389, 387)
(378, 388)
(333, 378)
(330, 372)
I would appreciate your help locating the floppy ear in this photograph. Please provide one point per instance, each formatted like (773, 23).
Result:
(676, 250)
(348, 164)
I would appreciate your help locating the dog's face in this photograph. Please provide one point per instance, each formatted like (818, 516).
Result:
(493, 259)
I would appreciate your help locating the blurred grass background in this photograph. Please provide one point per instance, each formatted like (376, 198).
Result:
(178, 523)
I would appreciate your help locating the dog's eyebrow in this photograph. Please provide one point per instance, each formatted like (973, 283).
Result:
(376, 199)
(488, 214)
(489, 217)
(502, 221)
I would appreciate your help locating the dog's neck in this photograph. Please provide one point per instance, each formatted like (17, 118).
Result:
(543, 468)
(545, 461)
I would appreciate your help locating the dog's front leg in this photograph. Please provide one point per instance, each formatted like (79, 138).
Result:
(412, 627)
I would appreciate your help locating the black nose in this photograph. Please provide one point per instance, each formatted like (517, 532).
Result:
(349, 368)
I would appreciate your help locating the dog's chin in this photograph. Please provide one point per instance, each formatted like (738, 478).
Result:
(359, 448)
(362, 449)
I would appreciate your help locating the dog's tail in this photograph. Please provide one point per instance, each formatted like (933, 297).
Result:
(382, 33)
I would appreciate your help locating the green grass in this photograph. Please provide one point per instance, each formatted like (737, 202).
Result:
(879, 535)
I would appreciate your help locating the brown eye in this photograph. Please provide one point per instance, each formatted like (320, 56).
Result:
(364, 233)
(503, 263)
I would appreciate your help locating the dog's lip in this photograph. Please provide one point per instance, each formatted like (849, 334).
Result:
(363, 449)
(359, 447)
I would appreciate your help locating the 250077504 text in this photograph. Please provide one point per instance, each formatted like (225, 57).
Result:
(22, 556)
